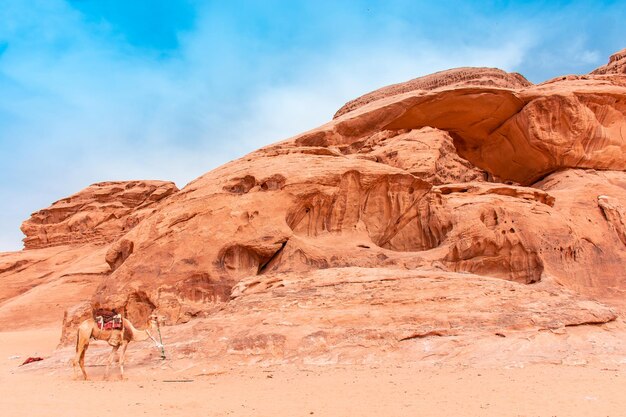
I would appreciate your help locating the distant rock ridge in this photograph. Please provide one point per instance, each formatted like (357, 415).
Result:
(616, 65)
(100, 213)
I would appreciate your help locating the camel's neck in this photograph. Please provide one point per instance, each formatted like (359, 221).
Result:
(136, 334)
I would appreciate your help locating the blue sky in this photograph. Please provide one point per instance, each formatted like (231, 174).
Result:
(94, 90)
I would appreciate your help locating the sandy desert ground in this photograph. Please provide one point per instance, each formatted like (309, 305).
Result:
(360, 390)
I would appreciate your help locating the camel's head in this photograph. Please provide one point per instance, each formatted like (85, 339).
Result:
(154, 320)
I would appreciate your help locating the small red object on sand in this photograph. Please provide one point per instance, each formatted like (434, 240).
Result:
(31, 360)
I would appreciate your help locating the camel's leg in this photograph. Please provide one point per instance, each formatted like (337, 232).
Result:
(122, 357)
(110, 361)
(77, 355)
(75, 362)
(79, 359)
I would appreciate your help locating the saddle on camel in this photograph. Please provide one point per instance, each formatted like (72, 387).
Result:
(108, 319)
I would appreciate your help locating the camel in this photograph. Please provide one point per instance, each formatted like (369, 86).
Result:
(119, 338)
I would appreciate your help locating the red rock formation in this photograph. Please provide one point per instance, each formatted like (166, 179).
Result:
(347, 211)
(616, 65)
(100, 213)
(118, 252)
(67, 249)
(593, 236)
(463, 203)
(615, 215)
(427, 153)
(360, 201)
(38, 285)
(458, 77)
(509, 133)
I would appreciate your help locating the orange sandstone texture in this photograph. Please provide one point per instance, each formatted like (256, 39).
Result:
(616, 65)
(68, 246)
(100, 213)
(464, 204)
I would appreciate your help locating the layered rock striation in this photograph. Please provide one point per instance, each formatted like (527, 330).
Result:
(71, 247)
(100, 213)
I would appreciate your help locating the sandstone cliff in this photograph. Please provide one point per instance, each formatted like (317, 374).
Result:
(468, 202)
(100, 213)
(69, 251)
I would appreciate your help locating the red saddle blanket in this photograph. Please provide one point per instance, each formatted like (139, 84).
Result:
(115, 323)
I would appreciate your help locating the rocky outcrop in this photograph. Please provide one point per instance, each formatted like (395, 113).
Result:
(39, 285)
(589, 257)
(616, 65)
(467, 202)
(118, 253)
(289, 223)
(98, 214)
(348, 315)
(511, 134)
(494, 231)
(423, 175)
(69, 245)
(351, 211)
(458, 77)
(426, 153)
(615, 215)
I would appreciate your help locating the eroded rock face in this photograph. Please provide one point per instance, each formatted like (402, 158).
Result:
(615, 215)
(458, 77)
(119, 252)
(387, 183)
(39, 285)
(349, 315)
(349, 211)
(464, 202)
(594, 238)
(288, 224)
(99, 214)
(616, 65)
(494, 229)
(518, 134)
(426, 153)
